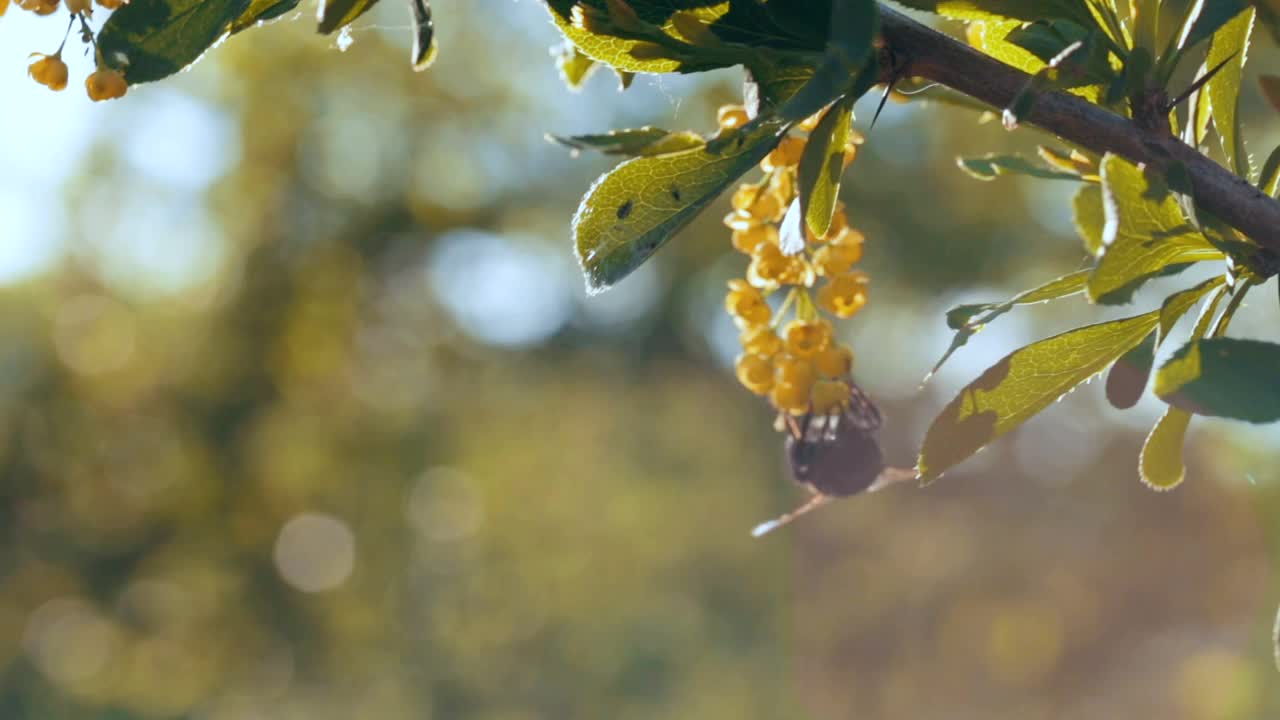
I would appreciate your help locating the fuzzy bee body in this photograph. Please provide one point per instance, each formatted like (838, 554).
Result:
(838, 454)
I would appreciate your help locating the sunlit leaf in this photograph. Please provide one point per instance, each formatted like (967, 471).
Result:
(1026, 10)
(1270, 85)
(631, 211)
(1145, 233)
(575, 66)
(1090, 217)
(1206, 18)
(1269, 178)
(1128, 376)
(1021, 385)
(1224, 377)
(968, 320)
(424, 35)
(335, 14)
(989, 167)
(1160, 464)
(1230, 45)
(1177, 304)
(152, 39)
(262, 11)
(645, 141)
(822, 165)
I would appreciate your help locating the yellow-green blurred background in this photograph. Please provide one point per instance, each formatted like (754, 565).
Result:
(304, 414)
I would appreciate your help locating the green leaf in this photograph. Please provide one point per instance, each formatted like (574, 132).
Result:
(1270, 85)
(1230, 45)
(1090, 217)
(1224, 377)
(847, 67)
(575, 66)
(989, 167)
(335, 14)
(1145, 234)
(1160, 464)
(822, 165)
(1269, 178)
(747, 29)
(424, 35)
(1128, 376)
(1021, 385)
(769, 85)
(853, 27)
(633, 210)
(638, 142)
(1177, 304)
(1025, 10)
(261, 12)
(152, 39)
(1206, 17)
(968, 320)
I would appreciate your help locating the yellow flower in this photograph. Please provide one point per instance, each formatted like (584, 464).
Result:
(49, 70)
(106, 84)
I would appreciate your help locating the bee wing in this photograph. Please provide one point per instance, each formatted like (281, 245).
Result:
(862, 410)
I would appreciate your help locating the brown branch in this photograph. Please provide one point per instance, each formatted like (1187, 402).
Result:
(932, 55)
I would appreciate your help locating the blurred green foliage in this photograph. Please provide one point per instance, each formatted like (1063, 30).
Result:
(313, 485)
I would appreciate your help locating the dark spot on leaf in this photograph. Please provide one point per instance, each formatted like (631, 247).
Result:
(625, 209)
(675, 193)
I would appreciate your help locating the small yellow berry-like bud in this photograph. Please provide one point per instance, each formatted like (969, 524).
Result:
(110, 4)
(761, 205)
(768, 265)
(835, 361)
(39, 7)
(810, 123)
(755, 372)
(797, 272)
(80, 6)
(829, 396)
(732, 116)
(105, 84)
(850, 154)
(832, 260)
(805, 339)
(761, 340)
(739, 220)
(746, 240)
(844, 295)
(49, 71)
(839, 222)
(747, 305)
(786, 154)
(790, 398)
(794, 370)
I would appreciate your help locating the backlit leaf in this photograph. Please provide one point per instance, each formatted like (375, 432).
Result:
(262, 11)
(152, 39)
(1090, 217)
(1230, 45)
(967, 320)
(1026, 10)
(1160, 464)
(1224, 377)
(1021, 385)
(336, 14)
(633, 210)
(1145, 233)
(645, 141)
(822, 165)
(989, 167)
(424, 35)
(1128, 376)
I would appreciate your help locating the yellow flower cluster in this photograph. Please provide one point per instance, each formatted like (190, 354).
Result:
(791, 356)
(50, 70)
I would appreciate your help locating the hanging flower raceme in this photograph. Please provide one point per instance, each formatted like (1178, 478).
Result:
(104, 83)
(792, 356)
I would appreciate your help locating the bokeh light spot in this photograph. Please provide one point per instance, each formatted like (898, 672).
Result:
(315, 552)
